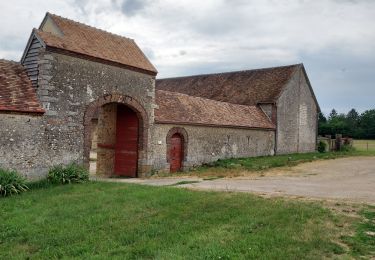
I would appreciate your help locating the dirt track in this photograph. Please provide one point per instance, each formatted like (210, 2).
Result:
(350, 179)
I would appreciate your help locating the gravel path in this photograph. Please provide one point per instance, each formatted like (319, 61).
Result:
(351, 179)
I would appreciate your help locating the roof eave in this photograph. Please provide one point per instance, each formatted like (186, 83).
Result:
(272, 102)
(311, 89)
(215, 125)
(144, 56)
(22, 111)
(100, 60)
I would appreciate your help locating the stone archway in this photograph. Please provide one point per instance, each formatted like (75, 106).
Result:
(143, 128)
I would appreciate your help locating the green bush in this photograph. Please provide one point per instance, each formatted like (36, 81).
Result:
(71, 173)
(322, 146)
(347, 148)
(11, 183)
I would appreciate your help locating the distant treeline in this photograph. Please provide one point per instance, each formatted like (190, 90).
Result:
(352, 124)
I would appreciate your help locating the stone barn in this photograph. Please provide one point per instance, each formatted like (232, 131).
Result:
(80, 91)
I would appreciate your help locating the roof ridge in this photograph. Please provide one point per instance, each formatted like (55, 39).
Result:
(89, 26)
(231, 72)
(212, 100)
(10, 61)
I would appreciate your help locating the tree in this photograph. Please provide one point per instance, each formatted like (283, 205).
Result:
(322, 118)
(323, 128)
(352, 120)
(352, 124)
(353, 115)
(333, 114)
(338, 124)
(367, 124)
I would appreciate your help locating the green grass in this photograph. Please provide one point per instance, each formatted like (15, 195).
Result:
(228, 167)
(363, 145)
(127, 221)
(363, 242)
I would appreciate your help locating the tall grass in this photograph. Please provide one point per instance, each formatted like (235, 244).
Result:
(71, 173)
(11, 183)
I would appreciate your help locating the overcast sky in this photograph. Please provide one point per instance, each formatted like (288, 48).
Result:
(335, 39)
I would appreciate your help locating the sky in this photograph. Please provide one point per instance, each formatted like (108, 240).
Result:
(334, 39)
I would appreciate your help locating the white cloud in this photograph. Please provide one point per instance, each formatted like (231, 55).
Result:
(191, 36)
(227, 28)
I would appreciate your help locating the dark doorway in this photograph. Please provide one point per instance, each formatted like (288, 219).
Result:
(126, 148)
(176, 152)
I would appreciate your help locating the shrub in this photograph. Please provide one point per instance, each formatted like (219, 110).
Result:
(347, 148)
(322, 146)
(11, 183)
(71, 173)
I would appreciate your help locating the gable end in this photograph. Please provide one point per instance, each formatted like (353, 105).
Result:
(30, 57)
(49, 25)
(311, 89)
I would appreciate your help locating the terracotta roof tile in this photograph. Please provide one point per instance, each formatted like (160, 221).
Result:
(16, 92)
(179, 108)
(247, 87)
(90, 41)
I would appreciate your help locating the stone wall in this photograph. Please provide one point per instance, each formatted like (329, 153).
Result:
(32, 144)
(206, 144)
(296, 117)
(76, 84)
(24, 144)
(67, 87)
(106, 133)
(308, 119)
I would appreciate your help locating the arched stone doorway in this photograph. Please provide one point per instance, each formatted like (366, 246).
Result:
(121, 135)
(177, 144)
(176, 152)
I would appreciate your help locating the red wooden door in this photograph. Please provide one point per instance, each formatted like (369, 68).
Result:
(176, 153)
(126, 149)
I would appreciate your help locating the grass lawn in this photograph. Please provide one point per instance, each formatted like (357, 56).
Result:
(127, 221)
(364, 145)
(242, 166)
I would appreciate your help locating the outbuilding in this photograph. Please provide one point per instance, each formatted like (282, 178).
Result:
(80, 91)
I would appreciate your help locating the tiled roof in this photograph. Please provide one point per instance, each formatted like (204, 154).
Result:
(247, 87)
(16, 92)
(83, 39)
(179, 108)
